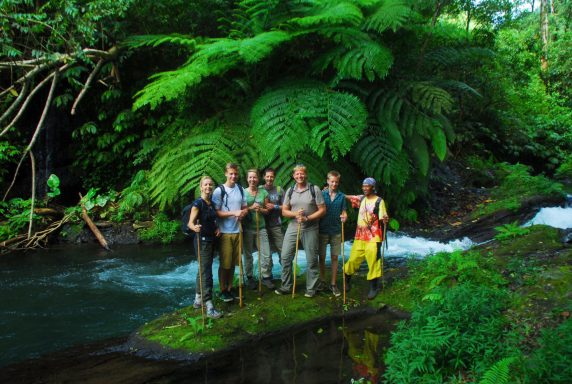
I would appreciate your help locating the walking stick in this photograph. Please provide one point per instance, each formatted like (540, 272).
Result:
(383, 252)
(343, 265)
(258, 246)
(200, 275)
(296, 260)
(240, 263)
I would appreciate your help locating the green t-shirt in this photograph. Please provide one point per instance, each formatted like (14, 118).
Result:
(250, 219)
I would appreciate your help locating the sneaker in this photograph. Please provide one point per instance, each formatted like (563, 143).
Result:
(268, 283)
(251, 284)
(335, 291)
(213, 313)
(226, 297)
(197, 305)
(321, 286)
(281, 291)
(309, 294)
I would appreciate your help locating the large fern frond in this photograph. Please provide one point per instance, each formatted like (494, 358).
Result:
(288, 118)
(317, 168)
(139, 41)
(430, 97)
(176, 171)
(391, 14)
(499, 372)
(328, 13)
(255, 49)
(379, 158)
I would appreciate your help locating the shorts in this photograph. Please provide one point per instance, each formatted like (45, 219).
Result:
(335, 242)
(229, 250)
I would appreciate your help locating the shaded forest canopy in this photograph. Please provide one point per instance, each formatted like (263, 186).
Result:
(146, 97)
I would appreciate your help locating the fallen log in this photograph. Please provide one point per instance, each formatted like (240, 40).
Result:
(92, 226)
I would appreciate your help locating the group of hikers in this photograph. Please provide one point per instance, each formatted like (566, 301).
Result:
(244, 219)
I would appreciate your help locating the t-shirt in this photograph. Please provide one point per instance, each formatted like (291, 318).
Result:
(275, 196)
(249, 221)
(369, 227)
(233, 201)
(303, 200)
(331, 223)
(207, 218)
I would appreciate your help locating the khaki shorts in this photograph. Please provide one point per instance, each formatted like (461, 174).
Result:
(335, 242)
(229, 250)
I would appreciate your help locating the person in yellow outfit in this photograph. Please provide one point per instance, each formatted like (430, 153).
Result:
(368, 237)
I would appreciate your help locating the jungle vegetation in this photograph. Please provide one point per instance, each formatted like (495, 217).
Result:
(136, 100)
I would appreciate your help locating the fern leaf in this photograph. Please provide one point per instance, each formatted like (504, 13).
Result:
(139, 41)
(456, 56)
(391, 14)
(439, 141)
(282, 118)
(368, 60)
(499, 372)
(260, 46)
(431, 98)
(330, 13)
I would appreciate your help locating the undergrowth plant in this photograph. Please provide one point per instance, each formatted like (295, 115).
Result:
(461, 335)
(510, 231)
(163, 230)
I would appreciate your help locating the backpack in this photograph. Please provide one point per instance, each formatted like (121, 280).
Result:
(223, 193)
(185, 220)
(310, 186)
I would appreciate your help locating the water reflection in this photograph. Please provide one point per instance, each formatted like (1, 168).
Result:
(332, 352)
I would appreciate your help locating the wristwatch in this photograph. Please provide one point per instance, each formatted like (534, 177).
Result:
(276, 206)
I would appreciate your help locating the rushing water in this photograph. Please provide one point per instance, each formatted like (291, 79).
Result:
(57, 298)
(556, 217)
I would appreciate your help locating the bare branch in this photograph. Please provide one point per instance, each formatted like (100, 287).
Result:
(87, 85)
(30, 97)
(38, 128)
(16, 102)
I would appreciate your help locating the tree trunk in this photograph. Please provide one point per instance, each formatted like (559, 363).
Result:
(92, 226)
(544, 35)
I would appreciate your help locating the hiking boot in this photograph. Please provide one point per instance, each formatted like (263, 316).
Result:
(251, 284)
(310, 294)
(235, 292)
(281, 291)
(335, 291)
(213, 313)
(321, 286)
(227, 297)
(348, 282)
(268, 283)
(373, 289)
(197, 305)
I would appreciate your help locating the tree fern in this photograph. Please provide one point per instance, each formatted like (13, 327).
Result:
(454, 56)
(156, 40)
(420, 153)
(499, 372)
(300, 113)
(431, 98)
(260, 46)
(390, 14)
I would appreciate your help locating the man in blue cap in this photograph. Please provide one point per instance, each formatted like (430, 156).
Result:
(369, 236)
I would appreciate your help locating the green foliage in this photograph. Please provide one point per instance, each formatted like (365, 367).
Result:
(516, 185)
(459, 334)
(15, 215)
(53, 186)
(498, 373)
(134, 198)
(325, 118)
(510, 231)
(163, 230)
(550, 363)
(8, 155)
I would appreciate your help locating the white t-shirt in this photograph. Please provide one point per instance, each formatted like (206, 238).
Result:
(233, 201)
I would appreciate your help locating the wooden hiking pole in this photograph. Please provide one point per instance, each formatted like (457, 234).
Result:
(383, 252)
(198, 235)
(296, 259)
(343, 265)
(258, 247)
(240, 263)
